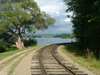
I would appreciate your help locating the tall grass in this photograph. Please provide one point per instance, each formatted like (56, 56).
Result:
(84, 58)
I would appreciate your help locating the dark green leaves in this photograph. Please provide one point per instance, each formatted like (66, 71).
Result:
(86, 23)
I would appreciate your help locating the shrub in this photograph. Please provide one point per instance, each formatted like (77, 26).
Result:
(30, 42)
(2, 47)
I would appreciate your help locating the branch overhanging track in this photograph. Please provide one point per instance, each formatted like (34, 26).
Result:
(47, 61)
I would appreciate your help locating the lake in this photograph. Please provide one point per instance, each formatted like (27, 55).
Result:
(46, 41)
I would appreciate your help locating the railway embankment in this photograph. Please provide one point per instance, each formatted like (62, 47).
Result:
(20, 63)
(90, 66)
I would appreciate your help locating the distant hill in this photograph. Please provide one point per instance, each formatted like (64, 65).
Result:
(47, 35)
(63, 35)
(57, 35)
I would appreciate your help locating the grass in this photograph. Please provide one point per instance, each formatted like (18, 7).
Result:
(16, 63)
(10, 60)
(9, 53)
(90, 63)
(6, 54)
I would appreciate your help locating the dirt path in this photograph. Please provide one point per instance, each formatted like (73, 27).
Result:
(6, 69)
(1, 61)
(69, 60)
(24, 65)
(23, 68)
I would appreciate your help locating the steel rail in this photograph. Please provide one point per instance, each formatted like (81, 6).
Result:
(67, 68)
(41, 64)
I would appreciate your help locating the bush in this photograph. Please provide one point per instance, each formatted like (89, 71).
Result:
(30, 42)
(5, 48)
(11, 49)
(2, 47)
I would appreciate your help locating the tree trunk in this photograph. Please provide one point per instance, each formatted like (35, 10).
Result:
(19, 43)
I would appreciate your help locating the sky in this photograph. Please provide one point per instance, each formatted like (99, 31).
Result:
(56, 9)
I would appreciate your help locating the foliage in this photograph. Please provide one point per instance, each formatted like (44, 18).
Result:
(59, 35)
(10, 53)
(18, 17)
(30, 42)
(6, 38)
(6, 43)
(4, 47)
(66, 35)
(78, 56)
(86, 23)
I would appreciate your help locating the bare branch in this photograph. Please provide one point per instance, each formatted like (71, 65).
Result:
(21, 23)
(12, 32)
(23, 29)
(30, 35)
(13, 46)
(15, 25)
(14, 36)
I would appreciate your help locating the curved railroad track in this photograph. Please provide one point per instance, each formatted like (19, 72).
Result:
(47, 61)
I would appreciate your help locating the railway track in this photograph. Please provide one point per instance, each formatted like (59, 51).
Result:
(47, 61)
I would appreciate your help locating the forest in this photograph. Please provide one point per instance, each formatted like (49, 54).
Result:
(86, 24)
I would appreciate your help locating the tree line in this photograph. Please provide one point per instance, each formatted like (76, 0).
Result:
(66, 35)
(19, 17)
(63, 35)
(86, 24)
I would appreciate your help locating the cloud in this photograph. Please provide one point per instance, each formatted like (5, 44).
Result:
(67, 20)
(62, 29)
(57, 12)
(67, 13)
(56, 9)
(51, 5)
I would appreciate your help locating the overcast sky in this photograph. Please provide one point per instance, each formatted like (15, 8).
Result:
(56, 9)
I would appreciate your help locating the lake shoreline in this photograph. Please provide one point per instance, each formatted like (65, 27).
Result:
(52, 40)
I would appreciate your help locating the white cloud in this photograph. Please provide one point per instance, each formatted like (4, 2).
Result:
(51, 5)
(56, 9)
(49, 8)
(67, 20)
(69, 13)
(57, 12)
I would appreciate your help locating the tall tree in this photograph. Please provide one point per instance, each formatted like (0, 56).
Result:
(18, 17)
(85, 19)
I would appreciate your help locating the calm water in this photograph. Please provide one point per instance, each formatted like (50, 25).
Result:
(46, 41)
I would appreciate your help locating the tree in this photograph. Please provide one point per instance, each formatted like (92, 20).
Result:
(86, 21)
(18, 17)
(65, 35)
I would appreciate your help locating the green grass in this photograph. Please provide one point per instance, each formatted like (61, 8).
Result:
(9, 53)
(16, 63)
(91, 63)
(10, 60)
(6, 54)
